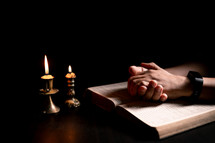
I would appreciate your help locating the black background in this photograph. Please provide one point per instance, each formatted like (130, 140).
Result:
(100, 49)
(100, 45)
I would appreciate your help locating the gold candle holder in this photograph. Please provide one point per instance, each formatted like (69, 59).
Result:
(50, 107)
(71, 100)
(48, 91)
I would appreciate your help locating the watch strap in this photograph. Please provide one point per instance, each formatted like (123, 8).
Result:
(197, 83)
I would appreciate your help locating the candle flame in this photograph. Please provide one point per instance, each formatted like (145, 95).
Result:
(46, 65)
(70, 68)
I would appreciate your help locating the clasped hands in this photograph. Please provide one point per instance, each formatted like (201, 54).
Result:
(155, 83)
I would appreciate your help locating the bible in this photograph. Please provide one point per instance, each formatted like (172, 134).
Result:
(168, 118)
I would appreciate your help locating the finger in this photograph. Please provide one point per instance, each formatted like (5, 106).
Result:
(132, 81)
(163, 97)
(133, 85)
(130, 84)
(142, 90)
(150, 89)
(136, 84)
(134, 89)
(134, 70)
(150, 65)
(157, 93)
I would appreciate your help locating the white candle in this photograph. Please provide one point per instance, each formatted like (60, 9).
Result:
(47, 77)
(70, 74)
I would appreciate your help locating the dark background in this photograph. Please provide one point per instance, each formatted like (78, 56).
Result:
(100, 50)
(100, 45)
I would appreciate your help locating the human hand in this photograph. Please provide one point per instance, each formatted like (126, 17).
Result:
(150, 90)
(152, 82)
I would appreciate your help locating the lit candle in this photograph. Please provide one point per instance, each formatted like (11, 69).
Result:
(47, 77)
(71, 100)
(70, 74)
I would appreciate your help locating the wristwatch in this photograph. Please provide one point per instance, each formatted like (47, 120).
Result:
(197, 83)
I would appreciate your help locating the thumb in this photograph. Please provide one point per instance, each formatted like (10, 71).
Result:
(134, 70)
(150, 66)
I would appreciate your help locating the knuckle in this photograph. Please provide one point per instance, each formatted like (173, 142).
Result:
(132, 81)
(135, 82)
(152, 63)
(130, 78)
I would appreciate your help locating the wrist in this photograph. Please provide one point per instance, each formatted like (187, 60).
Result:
(187, 88)
(181, 88)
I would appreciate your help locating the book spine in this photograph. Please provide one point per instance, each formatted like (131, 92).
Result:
(100, 101)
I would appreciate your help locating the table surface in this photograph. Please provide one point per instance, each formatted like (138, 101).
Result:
(89, 123)
(98, 53)
(86, 124)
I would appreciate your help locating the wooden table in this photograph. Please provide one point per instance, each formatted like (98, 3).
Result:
(87, 124)
(90, 124)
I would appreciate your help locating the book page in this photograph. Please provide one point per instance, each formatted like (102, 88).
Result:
(160, 114)
(116, 92)
(168, 118)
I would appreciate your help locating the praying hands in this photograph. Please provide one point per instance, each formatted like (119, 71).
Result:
(157, 84)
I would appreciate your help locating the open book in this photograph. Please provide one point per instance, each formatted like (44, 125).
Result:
(168, 118)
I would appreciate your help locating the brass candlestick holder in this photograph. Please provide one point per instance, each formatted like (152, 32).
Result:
(50, 107)
(48, 90)
(71, 101)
